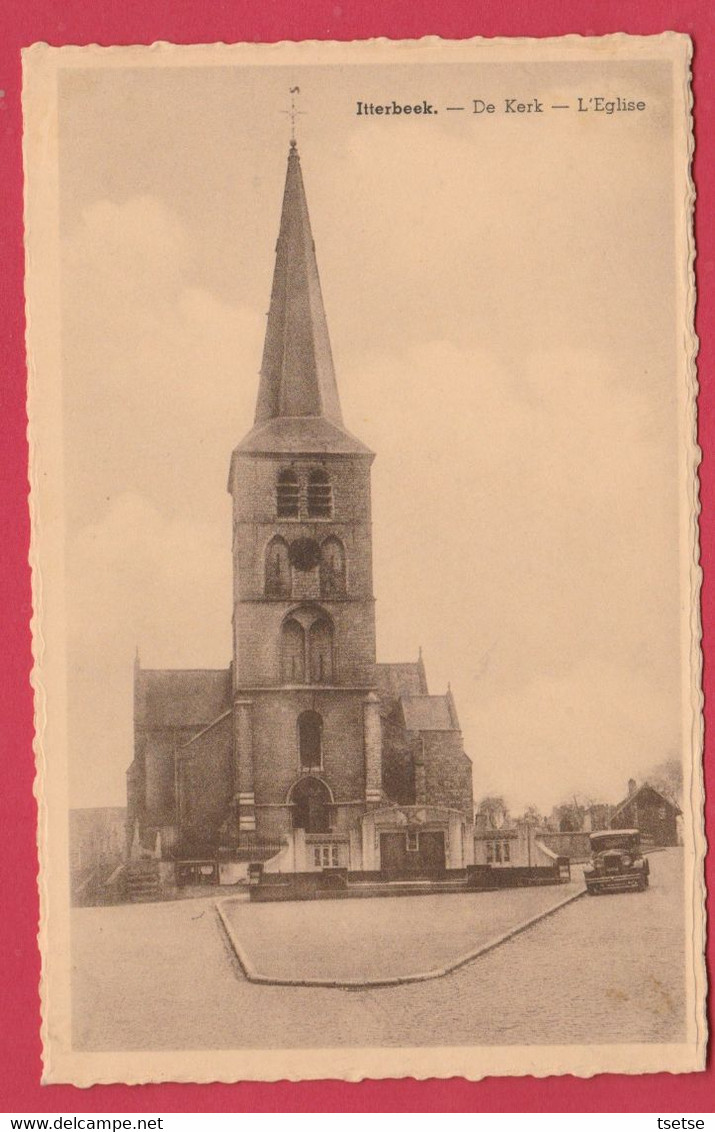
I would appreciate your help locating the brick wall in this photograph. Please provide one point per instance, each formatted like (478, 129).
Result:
(448, 771)
(276, 754)
(205, 774)
(398, 762)
(257, 634)
(257, 618)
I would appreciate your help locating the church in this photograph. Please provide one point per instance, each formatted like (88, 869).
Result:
(305, 753)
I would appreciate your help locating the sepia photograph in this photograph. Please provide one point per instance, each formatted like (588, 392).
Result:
(365, 559)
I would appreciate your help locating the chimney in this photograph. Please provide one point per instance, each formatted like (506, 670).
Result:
(631, 787)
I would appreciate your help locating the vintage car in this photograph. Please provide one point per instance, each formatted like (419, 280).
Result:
(617, 863)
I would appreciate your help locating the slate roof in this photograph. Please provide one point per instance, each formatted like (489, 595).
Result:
(298, 405)
(646, 786)
(395, 680)
(297, 435)
(181, 697)
(297, 373)
(427, 713)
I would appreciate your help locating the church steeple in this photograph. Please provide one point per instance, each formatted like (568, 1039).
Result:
(304, 610)
(298, 407)
(297, 374)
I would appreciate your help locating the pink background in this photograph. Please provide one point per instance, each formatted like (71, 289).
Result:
(180, 21)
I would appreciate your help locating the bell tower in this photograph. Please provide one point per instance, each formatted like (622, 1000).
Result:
(303, 605)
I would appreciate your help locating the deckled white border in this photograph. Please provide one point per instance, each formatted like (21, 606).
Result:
(40, 66)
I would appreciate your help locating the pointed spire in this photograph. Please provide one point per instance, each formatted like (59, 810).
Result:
(297, 374)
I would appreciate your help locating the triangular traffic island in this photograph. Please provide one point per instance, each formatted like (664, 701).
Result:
(325, 943)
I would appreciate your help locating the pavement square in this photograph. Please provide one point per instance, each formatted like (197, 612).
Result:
(601, 970)
(367, 941)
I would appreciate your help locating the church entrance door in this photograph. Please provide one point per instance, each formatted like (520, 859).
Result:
(415, 856)
(310, 799)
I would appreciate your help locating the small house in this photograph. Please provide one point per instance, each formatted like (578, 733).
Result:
(649, 811)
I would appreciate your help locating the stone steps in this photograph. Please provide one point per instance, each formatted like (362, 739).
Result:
(143, 881)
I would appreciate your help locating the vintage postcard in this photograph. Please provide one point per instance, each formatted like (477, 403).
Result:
(364, 501)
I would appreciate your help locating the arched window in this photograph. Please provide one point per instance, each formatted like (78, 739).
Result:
(332, 568)
(320, 494)
(310, 739)
(277, 569)
(320, 648)
(292, 652)
(288, 494)
(310, 801)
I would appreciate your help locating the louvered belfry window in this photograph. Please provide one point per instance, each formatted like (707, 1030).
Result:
(320, 495)
(288, 495)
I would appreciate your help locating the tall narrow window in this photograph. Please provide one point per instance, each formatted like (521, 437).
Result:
(292, 652)
(320, 494)
(321, 652)
(277, 569)
(288, 494)
(332, 568)
(310, 739)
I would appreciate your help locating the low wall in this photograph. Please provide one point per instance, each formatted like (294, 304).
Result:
(574, 845)
(485, 877)
(265, 886)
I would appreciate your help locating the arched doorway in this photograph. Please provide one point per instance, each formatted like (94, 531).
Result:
(311, 802)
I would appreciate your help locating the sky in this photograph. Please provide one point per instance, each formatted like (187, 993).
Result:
(500, 297)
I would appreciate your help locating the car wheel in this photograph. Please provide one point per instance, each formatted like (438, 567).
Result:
(642, 884)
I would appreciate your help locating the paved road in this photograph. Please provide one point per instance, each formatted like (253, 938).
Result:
(602, 970)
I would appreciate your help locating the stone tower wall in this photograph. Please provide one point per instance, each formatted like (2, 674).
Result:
(257, 615)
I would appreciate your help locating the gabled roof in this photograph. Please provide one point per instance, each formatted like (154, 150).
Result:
(180, 697)
(395, 680)
(427, 713)
(646, 786)
(194, 742)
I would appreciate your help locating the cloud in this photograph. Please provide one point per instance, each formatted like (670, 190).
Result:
(524, 492)
(164, 371)
(137, 578)
(523, 535)
(512, 243)
(585, 731)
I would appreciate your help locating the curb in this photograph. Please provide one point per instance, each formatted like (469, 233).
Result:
(255, 976)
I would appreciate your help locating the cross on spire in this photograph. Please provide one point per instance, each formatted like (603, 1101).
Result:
(298, 405)
(293, 112)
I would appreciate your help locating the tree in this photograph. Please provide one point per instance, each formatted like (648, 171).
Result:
(570, 817)
(533, 815)
(667, 778)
